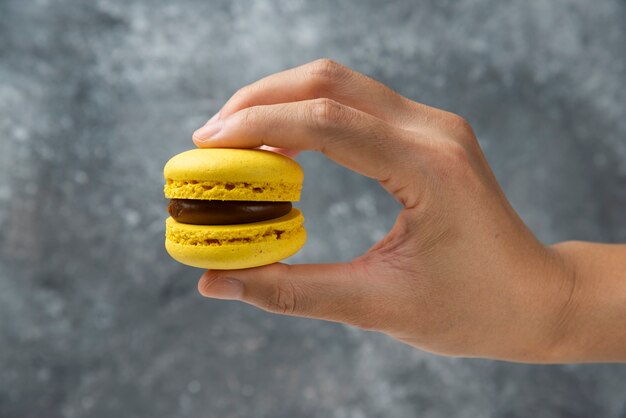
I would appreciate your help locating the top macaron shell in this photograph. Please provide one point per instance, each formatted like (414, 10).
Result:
(233, 174)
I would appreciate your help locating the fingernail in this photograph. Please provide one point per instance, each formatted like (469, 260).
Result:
(222, 288)
(208, 130)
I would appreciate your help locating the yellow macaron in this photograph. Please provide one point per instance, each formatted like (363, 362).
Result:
(231, 208)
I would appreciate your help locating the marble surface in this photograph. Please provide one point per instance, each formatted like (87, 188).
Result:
(97, 321)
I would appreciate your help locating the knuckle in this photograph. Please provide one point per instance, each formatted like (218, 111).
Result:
(209, 277)
(326, 68)
(460, 123)
(325, 113)
(284, 299)
(324, 72)
(461, 129)
(250, 117)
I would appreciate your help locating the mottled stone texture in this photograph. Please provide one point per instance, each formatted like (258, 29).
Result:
(97, 321)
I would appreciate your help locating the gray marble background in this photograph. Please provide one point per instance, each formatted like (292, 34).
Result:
(95, 96)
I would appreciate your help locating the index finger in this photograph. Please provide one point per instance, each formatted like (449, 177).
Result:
(354, 139)
(325, 78)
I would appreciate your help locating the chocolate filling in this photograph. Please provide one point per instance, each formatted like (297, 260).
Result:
(225, 212)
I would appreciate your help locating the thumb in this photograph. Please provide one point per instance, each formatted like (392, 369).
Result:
(335, 292)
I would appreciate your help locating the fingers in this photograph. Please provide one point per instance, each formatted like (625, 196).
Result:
(324, 79)
(350, 137)
(335, 292)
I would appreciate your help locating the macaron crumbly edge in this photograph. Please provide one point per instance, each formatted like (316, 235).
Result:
(217, 190)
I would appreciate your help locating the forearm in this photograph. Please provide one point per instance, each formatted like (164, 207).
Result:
(593, 323)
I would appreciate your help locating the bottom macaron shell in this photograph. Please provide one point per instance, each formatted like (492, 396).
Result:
(229, 247)
(236, 256)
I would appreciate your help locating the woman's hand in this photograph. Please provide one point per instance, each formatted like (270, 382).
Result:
(459, 273)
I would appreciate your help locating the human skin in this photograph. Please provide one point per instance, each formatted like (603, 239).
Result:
(459, 274)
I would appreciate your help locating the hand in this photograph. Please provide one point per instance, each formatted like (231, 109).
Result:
(459, 273)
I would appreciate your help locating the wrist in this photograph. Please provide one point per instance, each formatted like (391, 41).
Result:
(539, 318)
(562, 325)
(594, 322)
(547, 303)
